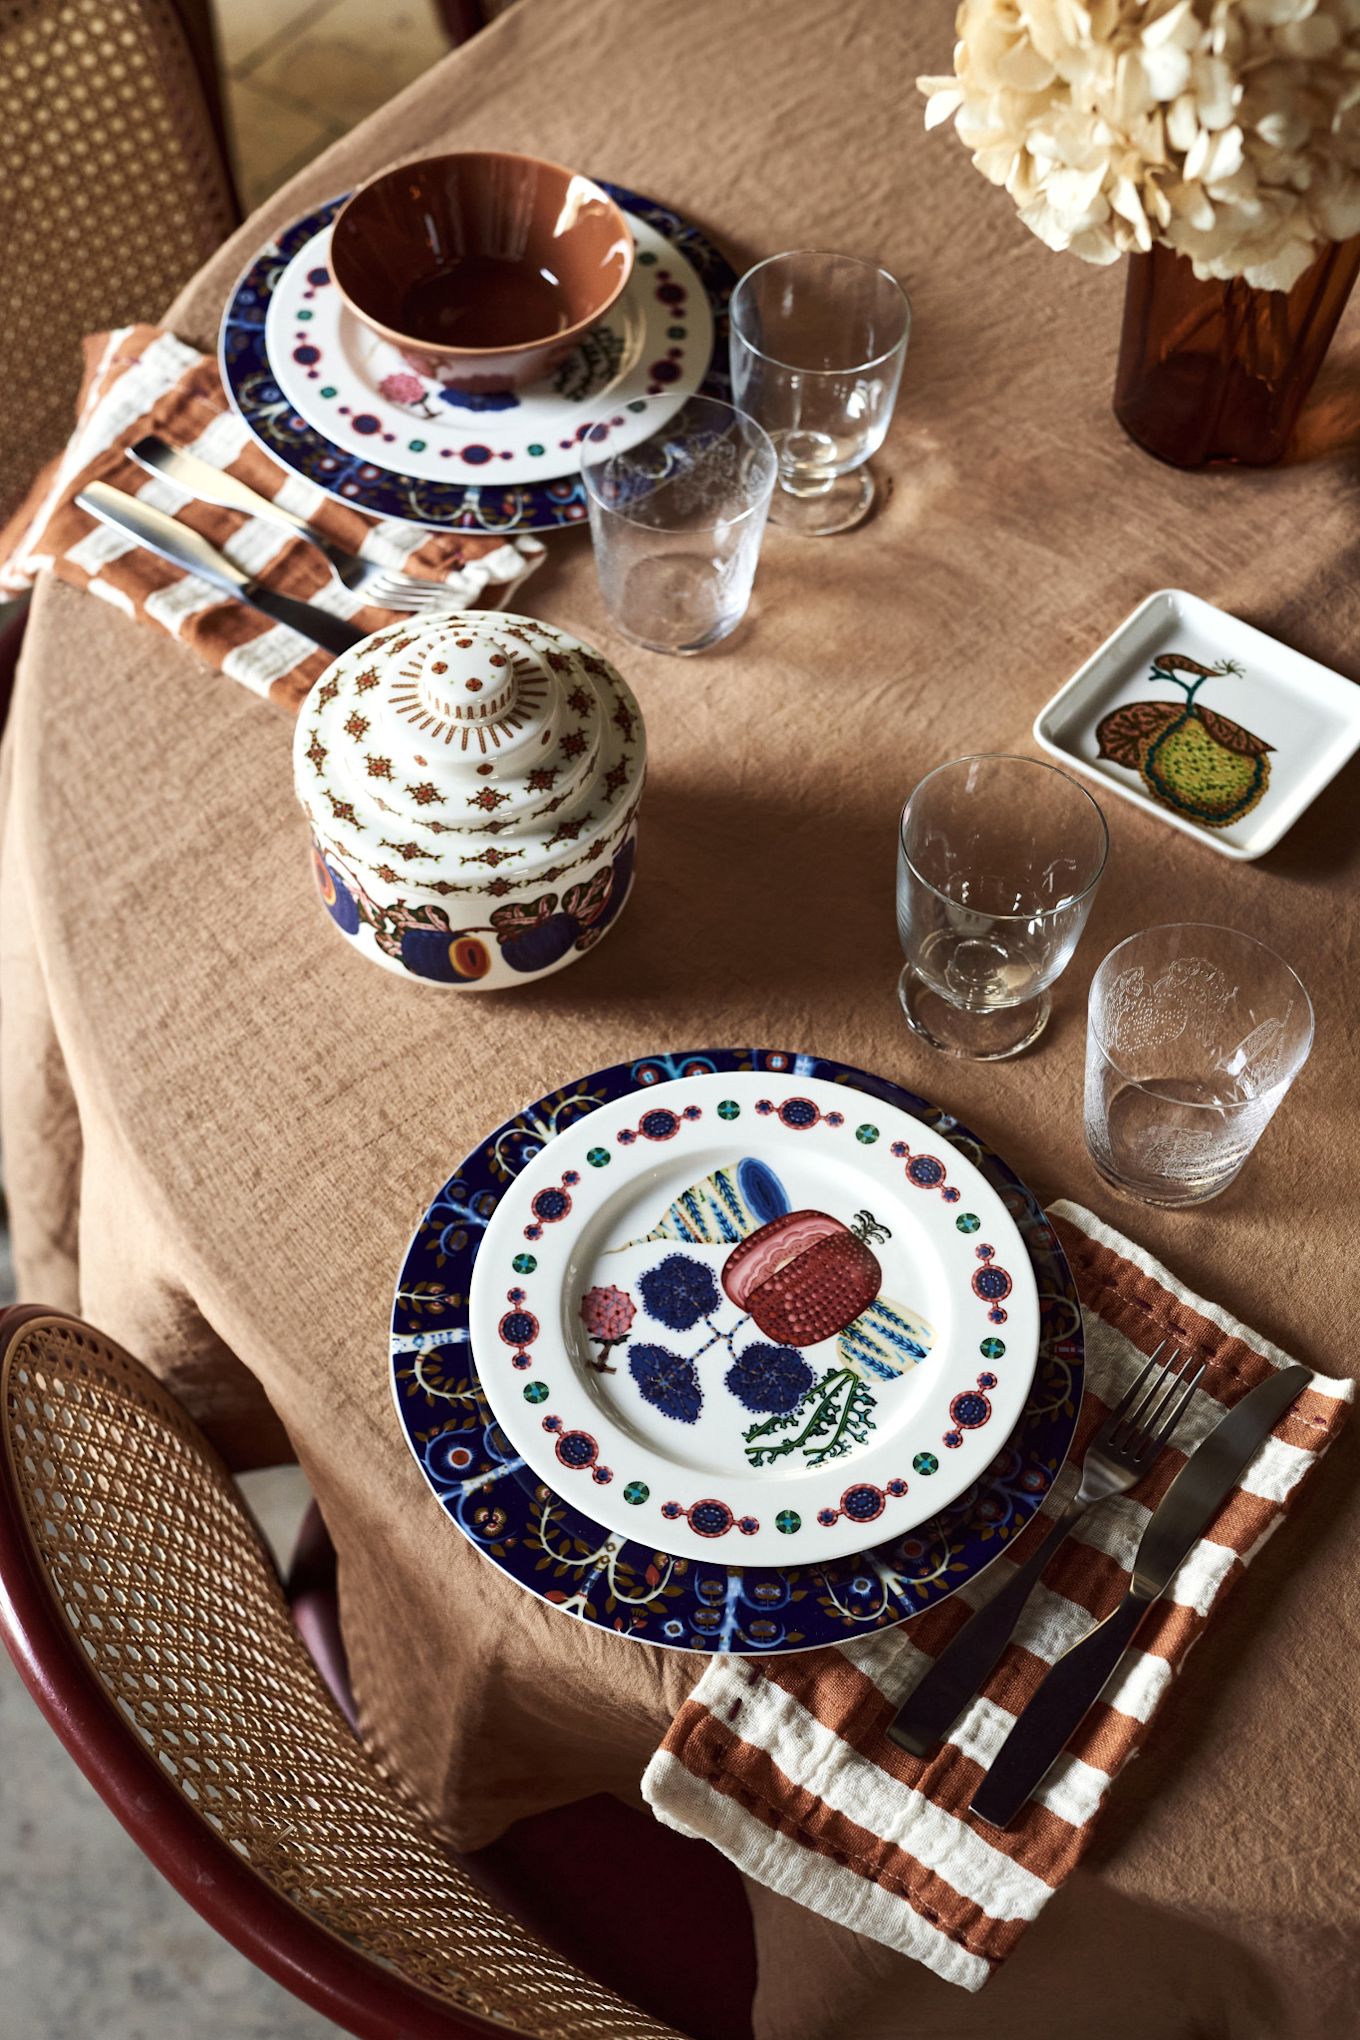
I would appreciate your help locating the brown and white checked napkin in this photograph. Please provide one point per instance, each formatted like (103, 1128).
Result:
(140, 380)
(785, 1765)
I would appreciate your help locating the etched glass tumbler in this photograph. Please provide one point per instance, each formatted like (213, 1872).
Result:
(998, 860)
(677, 522)
(818, 342)
(1194, 1034)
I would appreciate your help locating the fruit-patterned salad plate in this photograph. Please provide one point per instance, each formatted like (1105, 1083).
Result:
(546, 1536)
(643, 360)
(1206, 722)
(407, 450)
(747, 1309)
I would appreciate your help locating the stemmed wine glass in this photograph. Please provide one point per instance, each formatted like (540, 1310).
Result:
(818, 341)
(998, 860)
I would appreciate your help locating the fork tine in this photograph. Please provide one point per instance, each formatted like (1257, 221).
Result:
(1122, 1407)
(1134, 1421)
(1155, 1403)
(1168, 1426)
(396, 595)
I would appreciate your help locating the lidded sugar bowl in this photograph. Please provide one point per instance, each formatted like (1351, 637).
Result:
(472, 786)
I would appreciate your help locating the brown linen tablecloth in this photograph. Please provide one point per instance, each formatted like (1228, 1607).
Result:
(220, 1125)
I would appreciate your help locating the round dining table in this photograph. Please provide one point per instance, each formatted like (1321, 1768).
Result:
(221, 1124)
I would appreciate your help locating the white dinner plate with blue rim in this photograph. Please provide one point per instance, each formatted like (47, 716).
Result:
(747, 1311)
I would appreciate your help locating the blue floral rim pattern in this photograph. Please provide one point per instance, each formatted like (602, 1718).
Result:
(560, 1554)
(283, 432)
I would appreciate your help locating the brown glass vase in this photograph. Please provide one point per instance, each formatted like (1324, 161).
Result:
(1212, 372)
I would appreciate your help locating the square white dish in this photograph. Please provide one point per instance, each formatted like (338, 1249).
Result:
(1205, 722)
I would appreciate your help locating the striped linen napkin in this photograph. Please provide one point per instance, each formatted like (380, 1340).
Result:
(140, 380)
(785, 1764)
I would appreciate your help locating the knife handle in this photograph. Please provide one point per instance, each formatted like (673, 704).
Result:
(164, 534)
(1068, 1691)
(187, 548)
(939, 1698)
(213, 484)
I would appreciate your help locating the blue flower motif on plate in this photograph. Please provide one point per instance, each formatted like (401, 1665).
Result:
(667, 1381)
(679, 1291)
(480, 400)
(769, 1379)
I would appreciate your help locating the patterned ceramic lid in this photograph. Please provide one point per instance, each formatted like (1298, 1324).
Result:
(450, 748)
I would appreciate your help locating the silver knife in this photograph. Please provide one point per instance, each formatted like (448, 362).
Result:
(1075, 1682)
(175, 541)
(212, 484)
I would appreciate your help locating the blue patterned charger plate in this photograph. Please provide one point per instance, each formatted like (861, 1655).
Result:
(567, 1558)
(250, 383)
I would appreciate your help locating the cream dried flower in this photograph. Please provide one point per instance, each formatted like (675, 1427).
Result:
(1228, 130)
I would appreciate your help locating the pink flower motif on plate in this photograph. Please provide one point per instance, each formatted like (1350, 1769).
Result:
(608, 1314)
(401, 388)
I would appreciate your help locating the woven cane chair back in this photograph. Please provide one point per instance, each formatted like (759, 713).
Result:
(113, 191)
(161, 1579)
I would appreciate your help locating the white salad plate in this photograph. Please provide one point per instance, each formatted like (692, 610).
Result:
(1206, 722)
(758, 1308)
(642, 361)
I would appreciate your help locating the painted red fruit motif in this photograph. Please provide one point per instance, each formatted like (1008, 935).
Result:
(805, 1276)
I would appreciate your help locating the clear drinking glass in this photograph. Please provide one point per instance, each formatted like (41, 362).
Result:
(998, 860)
(1194, 1034)
(677, 523)
(817, 347)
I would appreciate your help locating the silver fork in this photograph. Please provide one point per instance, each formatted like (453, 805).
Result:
(385, 586)
(1120, 1453)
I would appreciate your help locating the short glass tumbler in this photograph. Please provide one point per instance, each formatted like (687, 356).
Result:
(677, 523)
(818, 342)
(998, 860)
(1194, 1034)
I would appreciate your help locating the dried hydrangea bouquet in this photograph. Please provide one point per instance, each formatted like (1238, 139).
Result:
(1216, 143)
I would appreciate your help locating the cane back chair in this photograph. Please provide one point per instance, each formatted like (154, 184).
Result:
(143, 1611)
(114, 189)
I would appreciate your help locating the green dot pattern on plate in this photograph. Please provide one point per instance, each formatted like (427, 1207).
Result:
(866, 1134)
(535, 1391)
(304, 315)
(646, 258)
(968, 1221)
(729, 1109)
(536, 450)
(598, 1157)
(925, 1462)
(638, 404)
(329, 390)
(416, 446)
(992, 1349)
(676, 332)
(788, 1520)
(524, 1264)
(636, 1492)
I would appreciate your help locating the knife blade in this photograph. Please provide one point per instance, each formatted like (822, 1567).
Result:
(189, 549)
(1076, 1680)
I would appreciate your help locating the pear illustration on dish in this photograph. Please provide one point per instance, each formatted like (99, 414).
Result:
(1191, 759)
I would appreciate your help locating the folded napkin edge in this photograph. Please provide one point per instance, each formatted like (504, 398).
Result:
(700, 1808)
(1336, 1387)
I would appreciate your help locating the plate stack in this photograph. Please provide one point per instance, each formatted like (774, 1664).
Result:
(340, 407)
(737, 1350)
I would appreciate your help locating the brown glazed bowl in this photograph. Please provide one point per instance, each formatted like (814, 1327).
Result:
(483, 268)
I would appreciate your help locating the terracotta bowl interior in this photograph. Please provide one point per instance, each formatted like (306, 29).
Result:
(509, 225)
